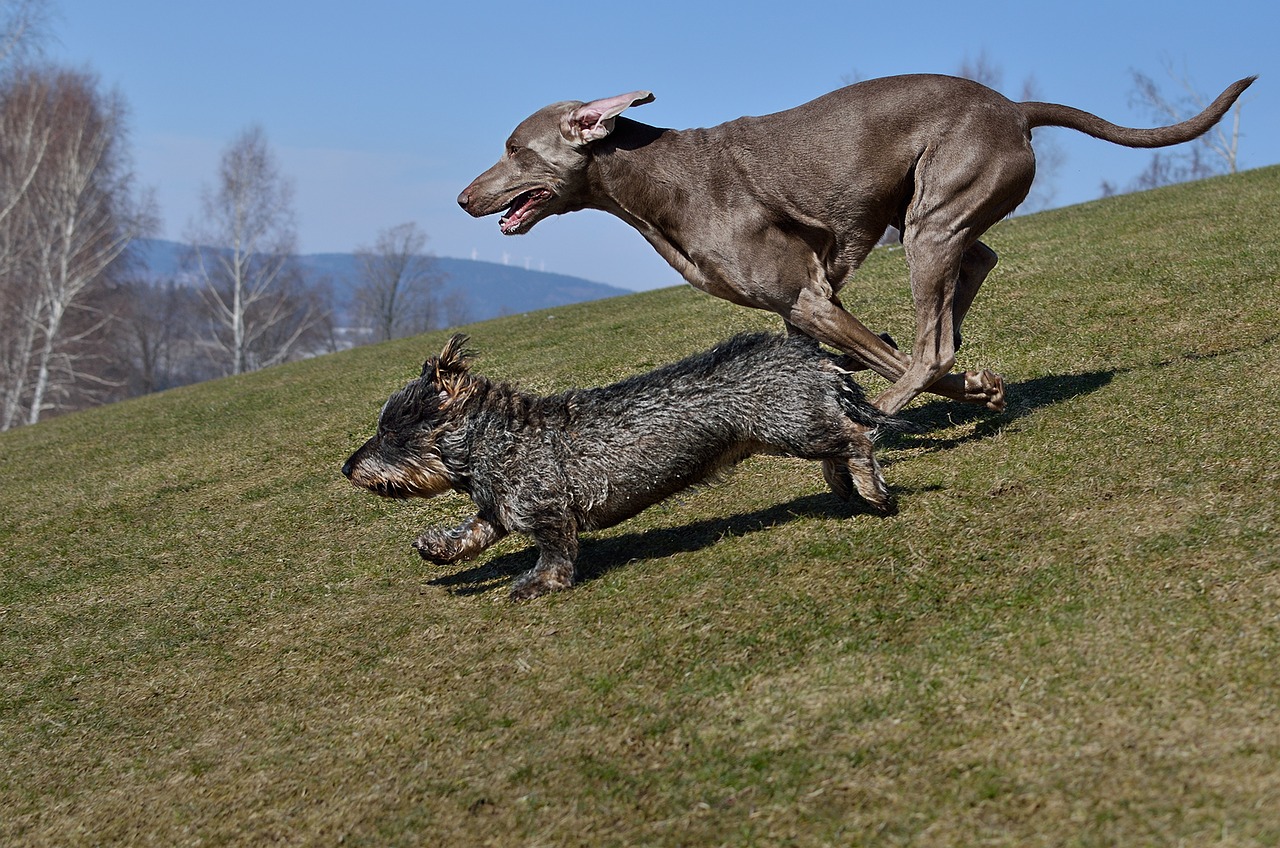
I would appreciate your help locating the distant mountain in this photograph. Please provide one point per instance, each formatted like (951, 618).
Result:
(488, 289)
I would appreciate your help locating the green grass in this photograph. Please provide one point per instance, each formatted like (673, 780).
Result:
(1070, 635)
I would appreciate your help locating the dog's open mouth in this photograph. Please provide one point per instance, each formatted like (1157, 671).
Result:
(523, 212)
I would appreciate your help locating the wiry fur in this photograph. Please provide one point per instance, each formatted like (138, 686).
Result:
(554, 466)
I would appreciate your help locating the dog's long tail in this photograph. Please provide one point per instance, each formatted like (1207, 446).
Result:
(1056, 115)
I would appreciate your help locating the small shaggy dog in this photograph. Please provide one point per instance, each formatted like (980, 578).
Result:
(553, 467)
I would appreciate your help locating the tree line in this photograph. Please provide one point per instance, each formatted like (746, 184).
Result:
(83, 322)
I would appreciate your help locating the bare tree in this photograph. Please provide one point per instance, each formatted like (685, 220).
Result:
(243, 254)
(23, 142)
(24, 139)
(65, 220)
(1215, 152)
(397, 293)
(23, 27)
(455, 309)
(156, 336)
(1168, 168)
(79, 207)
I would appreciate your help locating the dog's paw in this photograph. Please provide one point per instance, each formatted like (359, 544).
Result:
(438, 547)
(883, 505)
(995, 398)
(985, 387)
(536, 583)
(863, 476)
(873, 492)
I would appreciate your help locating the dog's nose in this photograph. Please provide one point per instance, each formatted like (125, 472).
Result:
(346, 469)
(464, 198)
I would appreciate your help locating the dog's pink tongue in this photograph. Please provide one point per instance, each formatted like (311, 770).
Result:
(522, 208)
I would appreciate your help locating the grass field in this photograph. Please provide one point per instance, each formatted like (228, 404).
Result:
(1069, 635)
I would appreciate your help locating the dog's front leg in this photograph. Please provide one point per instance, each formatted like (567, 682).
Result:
(443, 546)
(557, 549)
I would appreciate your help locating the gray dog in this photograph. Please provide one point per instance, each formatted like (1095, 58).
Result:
(776, 212)
(552, 467)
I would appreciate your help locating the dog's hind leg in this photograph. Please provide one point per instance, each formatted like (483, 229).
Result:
(458, 543)
(859, 470)
(978, 261)
(952, 206)
(839, 480)
(557, 549)
(941, 292)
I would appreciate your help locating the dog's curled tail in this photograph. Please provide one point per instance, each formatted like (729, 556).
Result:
(1057, 115)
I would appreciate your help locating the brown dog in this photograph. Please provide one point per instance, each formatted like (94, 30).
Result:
(776, 212)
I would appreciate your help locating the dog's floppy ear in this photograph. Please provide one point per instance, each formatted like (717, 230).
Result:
(450, 372)
(593, 121)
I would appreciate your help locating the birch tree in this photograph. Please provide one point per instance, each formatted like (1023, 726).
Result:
(243, 254)
(23, 25)
(63, 224)
(22, 145)
(24, 139)
(76, 202)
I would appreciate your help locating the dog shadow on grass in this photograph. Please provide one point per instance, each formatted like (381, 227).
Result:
(1028, 396)
(600, 555)
(1022, 400)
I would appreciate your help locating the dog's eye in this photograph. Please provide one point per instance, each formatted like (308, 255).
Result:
(512, 149)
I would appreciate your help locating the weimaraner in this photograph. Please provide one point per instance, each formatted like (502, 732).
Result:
(776, 212)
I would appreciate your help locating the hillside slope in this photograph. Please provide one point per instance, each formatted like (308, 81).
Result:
(1070, 634)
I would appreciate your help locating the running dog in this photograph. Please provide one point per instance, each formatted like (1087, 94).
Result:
(585, 459)
(776, 212)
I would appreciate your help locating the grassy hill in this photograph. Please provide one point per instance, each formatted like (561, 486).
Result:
(1069, 635)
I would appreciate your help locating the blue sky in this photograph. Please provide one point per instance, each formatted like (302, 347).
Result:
(382, 111)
